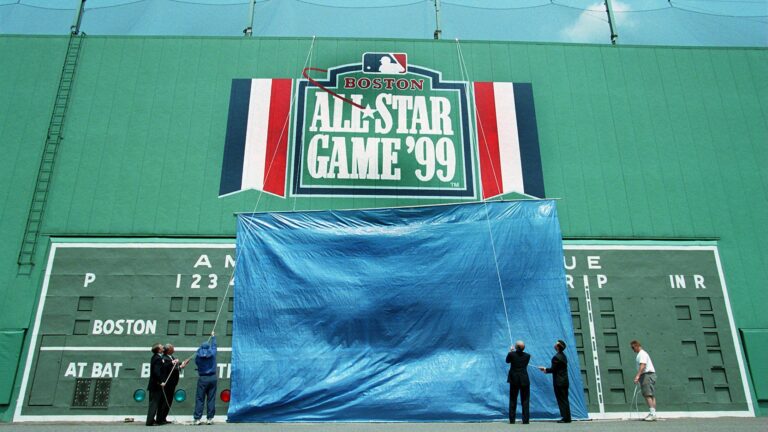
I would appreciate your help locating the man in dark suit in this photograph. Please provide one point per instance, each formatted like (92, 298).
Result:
(518, 380)
(170, 371)
(559, 371)
(155, 385)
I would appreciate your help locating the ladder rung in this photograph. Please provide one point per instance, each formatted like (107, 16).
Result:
(47, 159)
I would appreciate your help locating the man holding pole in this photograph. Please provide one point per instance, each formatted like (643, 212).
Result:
(645, 377)
(206, 383)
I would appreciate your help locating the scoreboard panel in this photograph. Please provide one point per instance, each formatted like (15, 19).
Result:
(673, 299)
(103, 305)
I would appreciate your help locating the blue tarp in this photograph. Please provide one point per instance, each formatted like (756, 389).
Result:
(397, 314)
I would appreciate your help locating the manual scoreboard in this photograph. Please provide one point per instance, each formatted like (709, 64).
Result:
(673, 299)
(102, 306)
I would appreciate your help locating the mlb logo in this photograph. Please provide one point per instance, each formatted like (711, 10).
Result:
(385, 63)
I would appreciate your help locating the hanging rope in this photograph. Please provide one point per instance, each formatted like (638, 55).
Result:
(465, 78)
(261, 192)
(634, 410)
(307, 61)
(332, 93)
(237, 252)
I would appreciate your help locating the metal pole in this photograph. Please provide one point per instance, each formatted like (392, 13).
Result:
(438, 32)
(248, 32)
(611, 21)
(75, 27)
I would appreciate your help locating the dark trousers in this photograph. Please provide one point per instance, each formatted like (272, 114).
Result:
(206, 390)
(155, 397)
(561, 393)
(525, 397)
(165, 403)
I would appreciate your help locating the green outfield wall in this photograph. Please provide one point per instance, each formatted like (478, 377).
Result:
(640, 145)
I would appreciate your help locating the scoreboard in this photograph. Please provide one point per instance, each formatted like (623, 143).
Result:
(102, 306)
(673, 299)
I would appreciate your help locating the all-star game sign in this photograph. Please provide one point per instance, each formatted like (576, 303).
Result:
(381, 127)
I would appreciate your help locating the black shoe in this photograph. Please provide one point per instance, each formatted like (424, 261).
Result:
(525, 422)
(563, 421)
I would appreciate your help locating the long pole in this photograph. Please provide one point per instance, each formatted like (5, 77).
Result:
(438, 32)
(611, 21)
(248, 32)
(75, 27)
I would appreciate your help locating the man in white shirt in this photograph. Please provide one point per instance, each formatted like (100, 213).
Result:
(646, 377)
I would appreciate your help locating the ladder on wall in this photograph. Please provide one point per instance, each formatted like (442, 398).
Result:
(53, 139)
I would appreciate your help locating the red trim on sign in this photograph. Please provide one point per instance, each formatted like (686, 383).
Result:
(402, 60)
(277, 137)
(488, 139)
(334, 94)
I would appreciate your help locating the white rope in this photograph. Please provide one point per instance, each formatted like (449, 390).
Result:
(261, 192)
(162, 390)
(465, 78)
(634, 403)
(308, 61)
(498, 274)
(237, 252)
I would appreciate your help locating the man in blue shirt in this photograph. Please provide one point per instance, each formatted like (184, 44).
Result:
(205, 360)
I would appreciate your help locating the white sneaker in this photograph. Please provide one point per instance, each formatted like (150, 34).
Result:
(650, 417)
(197, 422)
(209, 421)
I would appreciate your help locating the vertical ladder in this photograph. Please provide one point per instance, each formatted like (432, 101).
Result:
(53, 139)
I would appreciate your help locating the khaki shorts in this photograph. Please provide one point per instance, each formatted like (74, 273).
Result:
(648, 384)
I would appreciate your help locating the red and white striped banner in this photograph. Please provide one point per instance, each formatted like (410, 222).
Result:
(501, 168)
(266, 136)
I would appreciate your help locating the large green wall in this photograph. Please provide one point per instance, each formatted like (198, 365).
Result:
(637, 142)
(28, 79)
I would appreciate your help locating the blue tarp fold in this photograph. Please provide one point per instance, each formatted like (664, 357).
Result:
(397, 314)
